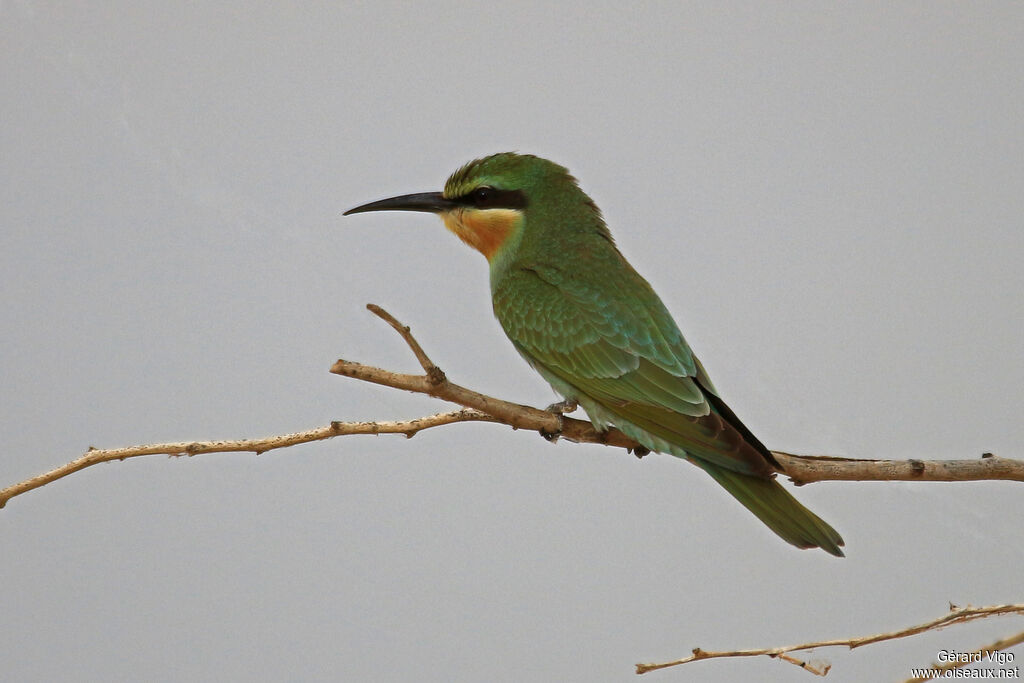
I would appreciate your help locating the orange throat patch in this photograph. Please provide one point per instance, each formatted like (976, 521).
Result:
(483, 229)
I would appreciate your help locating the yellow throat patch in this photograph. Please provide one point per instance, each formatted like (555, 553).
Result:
(483, 229)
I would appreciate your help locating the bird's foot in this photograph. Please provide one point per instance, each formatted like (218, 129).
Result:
(563, 407)
(559, 409)
(550, 436)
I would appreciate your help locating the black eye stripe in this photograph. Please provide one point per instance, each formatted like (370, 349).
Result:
(486, 197)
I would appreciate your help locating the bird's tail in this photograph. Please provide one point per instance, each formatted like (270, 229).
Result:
(774, 506)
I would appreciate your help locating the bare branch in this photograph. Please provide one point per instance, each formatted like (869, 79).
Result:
(552, 425)
(95, 456)
(957, 615)
(806, 469)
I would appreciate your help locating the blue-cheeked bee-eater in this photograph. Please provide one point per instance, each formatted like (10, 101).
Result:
(579, 313)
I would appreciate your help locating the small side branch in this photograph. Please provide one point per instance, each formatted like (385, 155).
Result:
(957, 615)
(406, 334)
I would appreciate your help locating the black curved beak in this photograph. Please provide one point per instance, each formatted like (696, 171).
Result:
(430, 202)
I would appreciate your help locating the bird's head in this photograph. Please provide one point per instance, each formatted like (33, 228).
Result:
(489, 201)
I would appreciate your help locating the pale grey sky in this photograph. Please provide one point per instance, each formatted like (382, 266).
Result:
(828, 197)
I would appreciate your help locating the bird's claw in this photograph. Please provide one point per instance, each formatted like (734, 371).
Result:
(563, 407)
(551, 436)
(559, 409)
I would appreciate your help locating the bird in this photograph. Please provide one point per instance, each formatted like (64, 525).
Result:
(595, 330)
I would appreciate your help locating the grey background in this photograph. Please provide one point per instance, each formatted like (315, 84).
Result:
(828, 197)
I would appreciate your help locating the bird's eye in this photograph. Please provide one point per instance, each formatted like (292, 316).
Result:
(484, 195)
(488, 197)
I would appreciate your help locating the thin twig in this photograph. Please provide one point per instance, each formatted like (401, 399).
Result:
(406, 332)
(95, 456)
(957, 615)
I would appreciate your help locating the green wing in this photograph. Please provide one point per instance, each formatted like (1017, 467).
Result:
(609, 343)
(627, 359)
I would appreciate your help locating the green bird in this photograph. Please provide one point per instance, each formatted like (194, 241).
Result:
(579, 313)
